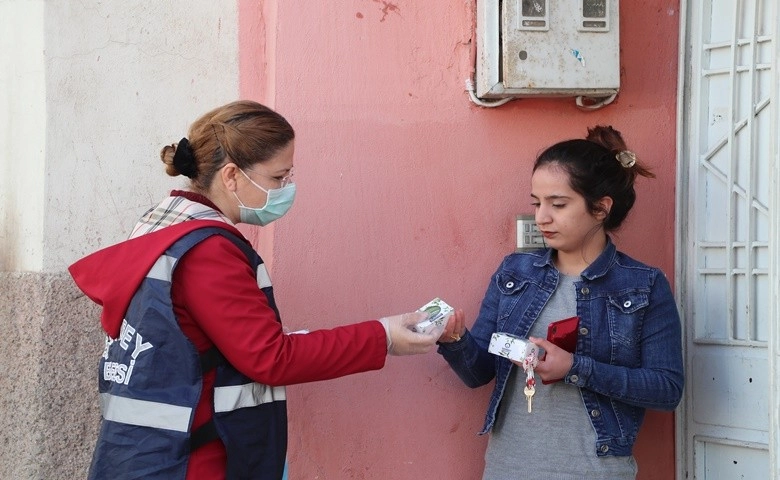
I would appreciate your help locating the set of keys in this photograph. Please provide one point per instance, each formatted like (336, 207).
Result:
(529, 363)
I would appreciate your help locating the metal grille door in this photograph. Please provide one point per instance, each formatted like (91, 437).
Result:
(728, 153)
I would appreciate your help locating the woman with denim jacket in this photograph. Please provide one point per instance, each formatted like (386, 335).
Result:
(628, 356)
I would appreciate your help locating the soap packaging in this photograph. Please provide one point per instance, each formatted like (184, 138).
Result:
(511, 346)
(438, 313)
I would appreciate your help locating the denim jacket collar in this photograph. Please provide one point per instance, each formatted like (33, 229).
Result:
(597, 269)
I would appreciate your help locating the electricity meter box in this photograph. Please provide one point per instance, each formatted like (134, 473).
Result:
(529, 48)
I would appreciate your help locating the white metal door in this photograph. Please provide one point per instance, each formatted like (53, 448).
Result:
(728, 243)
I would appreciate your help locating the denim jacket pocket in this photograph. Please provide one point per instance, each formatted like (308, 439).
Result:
(510, 288)
(626, 312)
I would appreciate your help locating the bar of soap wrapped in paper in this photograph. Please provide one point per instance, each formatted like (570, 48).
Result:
(511, 346)
(438, 313)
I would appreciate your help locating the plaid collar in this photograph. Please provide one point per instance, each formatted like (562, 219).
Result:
(179, 207)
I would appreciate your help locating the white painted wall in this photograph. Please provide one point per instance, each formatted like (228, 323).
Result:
(22, 135)
(95, 89)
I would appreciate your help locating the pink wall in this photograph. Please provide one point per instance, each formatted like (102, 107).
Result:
(408, 191)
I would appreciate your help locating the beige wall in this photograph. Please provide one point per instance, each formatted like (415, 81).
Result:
(92, 91)
(48, 354)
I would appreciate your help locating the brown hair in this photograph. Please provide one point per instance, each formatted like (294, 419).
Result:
(595, 171)
(243, 132)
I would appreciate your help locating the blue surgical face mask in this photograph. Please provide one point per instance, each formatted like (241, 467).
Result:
(278, 202)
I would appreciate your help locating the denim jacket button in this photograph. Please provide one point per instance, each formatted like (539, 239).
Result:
(595, 413)
(604, 448)
(627, 304)
(583, 331)
(585, 290)
(510, 284)
(574, 378)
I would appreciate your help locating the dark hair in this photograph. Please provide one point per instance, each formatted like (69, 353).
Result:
(596, 170)
(243, 132)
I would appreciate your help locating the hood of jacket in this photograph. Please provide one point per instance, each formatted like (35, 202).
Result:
(111, 276)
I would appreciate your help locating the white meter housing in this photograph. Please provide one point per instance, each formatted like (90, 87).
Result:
(548, 48)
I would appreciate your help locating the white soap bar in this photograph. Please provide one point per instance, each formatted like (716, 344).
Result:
(511, 346)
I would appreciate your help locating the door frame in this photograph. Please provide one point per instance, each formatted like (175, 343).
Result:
(774, 262)
(680, 214)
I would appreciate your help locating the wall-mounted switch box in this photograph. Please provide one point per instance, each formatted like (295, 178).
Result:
(546, 48)
(528, 235)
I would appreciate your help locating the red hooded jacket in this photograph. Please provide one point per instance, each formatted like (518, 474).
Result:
(217, 301)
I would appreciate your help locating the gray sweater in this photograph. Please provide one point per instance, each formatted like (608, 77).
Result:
(556, 440)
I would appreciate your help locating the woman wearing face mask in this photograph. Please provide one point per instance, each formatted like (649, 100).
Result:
(627, 353)
(193, 372)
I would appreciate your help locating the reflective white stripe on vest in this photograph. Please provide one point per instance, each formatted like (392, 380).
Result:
(227, 399)
(263, 280)
(144, 413)
(162, 268)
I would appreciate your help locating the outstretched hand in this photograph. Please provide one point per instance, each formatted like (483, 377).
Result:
(402, 340)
